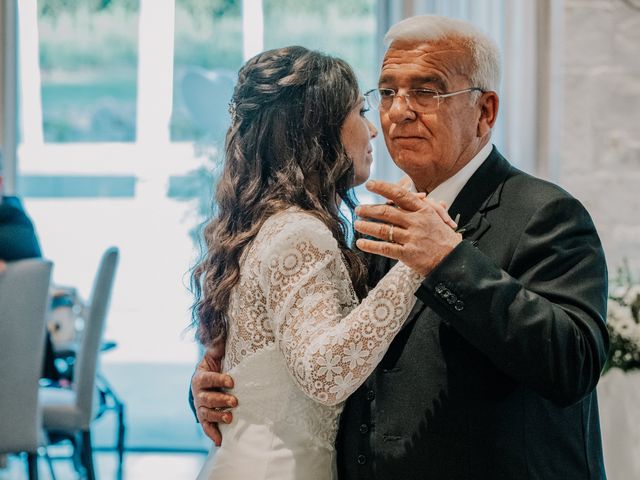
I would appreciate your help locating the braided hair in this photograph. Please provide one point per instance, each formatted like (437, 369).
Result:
(283, 149)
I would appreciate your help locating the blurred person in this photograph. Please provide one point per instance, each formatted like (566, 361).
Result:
(279, 283)
(19, 241)
(494, 373)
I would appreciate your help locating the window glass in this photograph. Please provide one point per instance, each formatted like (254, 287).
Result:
(208, 53)
(344, 29)
(88, 61)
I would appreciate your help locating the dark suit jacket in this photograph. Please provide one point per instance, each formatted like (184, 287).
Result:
(493, 375)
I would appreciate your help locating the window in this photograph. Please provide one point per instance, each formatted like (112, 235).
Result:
(124, 103)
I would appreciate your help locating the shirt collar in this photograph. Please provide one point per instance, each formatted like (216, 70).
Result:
(448, 190)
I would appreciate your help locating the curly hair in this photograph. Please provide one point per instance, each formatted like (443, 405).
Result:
(283, 149)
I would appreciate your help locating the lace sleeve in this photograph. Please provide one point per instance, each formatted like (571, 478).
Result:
(329, 346)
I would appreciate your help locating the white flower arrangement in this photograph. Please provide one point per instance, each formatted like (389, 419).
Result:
(623, 324)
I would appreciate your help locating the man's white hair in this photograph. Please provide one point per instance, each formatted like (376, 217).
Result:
(485, 71)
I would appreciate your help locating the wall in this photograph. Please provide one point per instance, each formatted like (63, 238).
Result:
(600, 159)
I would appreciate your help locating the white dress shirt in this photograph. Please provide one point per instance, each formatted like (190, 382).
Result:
(448, 190)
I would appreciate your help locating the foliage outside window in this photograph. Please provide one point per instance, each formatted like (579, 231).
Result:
(88, 65)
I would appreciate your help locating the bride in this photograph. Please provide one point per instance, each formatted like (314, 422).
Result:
(279, 282)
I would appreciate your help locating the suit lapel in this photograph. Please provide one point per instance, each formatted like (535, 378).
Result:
(479, 195)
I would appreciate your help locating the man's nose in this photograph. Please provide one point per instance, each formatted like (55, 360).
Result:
(400, 111)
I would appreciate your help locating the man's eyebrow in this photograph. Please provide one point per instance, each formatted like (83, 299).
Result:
(416, 81)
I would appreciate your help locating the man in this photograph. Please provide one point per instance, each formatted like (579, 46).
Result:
(493, 375)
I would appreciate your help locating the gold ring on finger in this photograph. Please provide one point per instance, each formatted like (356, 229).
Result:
(391, 234)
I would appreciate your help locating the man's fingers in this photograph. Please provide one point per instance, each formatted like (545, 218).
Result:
(398, 195)
(389, 250)
(211, 430)
(204, 379)
(441, 209)
(385, 213)
(215, 399)
(214, 415)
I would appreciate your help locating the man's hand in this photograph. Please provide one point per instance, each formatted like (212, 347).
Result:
(211, 403)
(419, 232)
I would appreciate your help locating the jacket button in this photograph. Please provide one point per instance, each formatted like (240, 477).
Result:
(362, 459)
(459, 305)
(364, 428)
(440, 288)
(451, 299)
(370, 395)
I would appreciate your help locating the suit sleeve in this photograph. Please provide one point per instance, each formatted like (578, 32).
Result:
(542, 321)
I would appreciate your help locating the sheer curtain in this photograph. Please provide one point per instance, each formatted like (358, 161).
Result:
(525, 31)
(8, 93)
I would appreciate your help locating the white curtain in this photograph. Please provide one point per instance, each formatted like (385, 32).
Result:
(525, 30)
(8, 91)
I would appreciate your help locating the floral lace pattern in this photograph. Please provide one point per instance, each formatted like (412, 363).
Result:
(295, 295)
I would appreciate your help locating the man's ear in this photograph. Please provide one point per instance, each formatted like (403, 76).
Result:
(489, 103)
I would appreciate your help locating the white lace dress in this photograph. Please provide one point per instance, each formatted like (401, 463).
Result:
(298, 345)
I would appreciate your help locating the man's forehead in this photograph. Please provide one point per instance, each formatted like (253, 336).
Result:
(443, 58)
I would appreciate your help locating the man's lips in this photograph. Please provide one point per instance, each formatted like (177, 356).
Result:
(407, 137)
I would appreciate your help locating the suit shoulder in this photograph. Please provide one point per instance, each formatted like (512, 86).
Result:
(532, 193)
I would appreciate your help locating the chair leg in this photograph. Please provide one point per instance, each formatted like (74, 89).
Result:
(86, 455)
(76, 457)
(52, 472)
(121, 432)
(32, 466)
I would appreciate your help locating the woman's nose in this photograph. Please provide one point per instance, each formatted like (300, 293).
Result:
(373, 131)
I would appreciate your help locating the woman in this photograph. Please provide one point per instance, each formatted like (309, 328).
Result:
(280, 282)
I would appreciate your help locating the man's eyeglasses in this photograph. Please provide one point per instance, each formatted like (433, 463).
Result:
(421, 100)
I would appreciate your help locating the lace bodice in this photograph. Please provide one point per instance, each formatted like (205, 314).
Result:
(295, 294)
(298, 344)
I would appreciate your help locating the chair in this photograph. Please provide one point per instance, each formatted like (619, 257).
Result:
(24, 293)
(69, 412)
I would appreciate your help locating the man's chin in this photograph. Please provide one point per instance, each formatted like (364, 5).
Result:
(410, 158)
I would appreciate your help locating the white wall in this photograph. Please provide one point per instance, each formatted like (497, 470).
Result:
(600, 160)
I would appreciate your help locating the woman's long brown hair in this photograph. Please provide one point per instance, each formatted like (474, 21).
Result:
(283, 149)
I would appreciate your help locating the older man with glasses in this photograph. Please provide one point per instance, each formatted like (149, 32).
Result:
(494, 374)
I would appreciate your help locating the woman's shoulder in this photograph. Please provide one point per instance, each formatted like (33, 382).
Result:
(294, 227)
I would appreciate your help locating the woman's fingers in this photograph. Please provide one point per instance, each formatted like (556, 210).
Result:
(397, 195)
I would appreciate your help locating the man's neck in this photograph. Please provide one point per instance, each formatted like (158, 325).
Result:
(448, 190)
